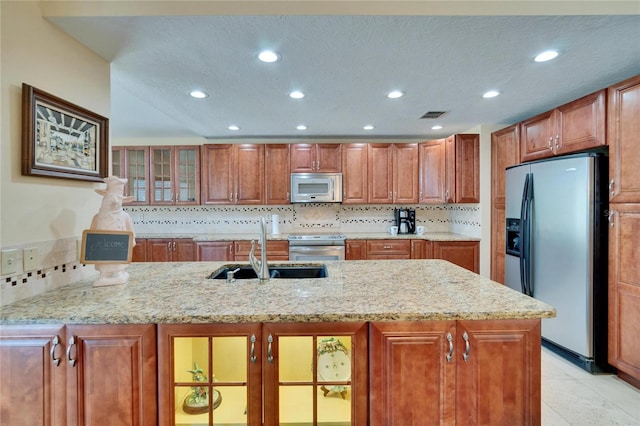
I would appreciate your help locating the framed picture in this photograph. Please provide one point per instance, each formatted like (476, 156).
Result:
(60, 139)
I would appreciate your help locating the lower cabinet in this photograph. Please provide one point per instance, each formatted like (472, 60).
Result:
(214, 250)
(461, 372)
(276, 250)
(78, 375)
(388, 249)
(170, 250)
(254, 374)
(462, 253)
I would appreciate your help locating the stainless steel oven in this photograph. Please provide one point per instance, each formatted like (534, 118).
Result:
(316, 247)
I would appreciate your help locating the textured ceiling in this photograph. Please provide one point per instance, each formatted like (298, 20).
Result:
(345, 65)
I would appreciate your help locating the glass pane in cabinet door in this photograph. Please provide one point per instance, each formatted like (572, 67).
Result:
(296, 405)
(334, 359)
(162, 174)
(116, 164)
(295, 360)
(190, 359)
(230, 359)
(187, 168)
(334, 405)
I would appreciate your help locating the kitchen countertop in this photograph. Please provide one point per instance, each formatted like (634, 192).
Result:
(431, 236)
(386, 290)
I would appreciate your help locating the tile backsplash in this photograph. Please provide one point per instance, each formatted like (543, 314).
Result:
(458, 218)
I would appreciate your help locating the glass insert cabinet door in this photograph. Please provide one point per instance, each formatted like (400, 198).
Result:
(255, 374)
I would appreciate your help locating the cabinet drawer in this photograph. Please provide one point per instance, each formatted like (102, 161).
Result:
(276, 250)
(388, 249)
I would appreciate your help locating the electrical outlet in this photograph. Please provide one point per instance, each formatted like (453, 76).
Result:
(30, 259)
(9, 262)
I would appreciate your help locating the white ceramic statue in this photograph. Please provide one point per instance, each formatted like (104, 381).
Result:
(111, 217)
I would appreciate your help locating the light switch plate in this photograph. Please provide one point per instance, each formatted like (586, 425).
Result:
(30, 259)
(9, 262)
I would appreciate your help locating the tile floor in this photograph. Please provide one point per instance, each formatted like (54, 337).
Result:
(571, 396)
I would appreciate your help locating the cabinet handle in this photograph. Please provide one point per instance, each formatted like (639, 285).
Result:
(390, 195)
(174, 246)
(288, 196)
(551, 143)
(269, 351)
(230, 248)
(611, 184)
(610, 214)
(169, 246)
(72, 343)
(386, 247)
(52, 352)
(236, 198)
(231, 197)
(465, 355)
(253, 358)
(446, 195)
(557, 142)
(450, 354)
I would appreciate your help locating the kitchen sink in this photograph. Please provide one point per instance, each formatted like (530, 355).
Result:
(291, 271)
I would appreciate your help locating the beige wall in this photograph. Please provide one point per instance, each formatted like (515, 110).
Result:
(34, 209)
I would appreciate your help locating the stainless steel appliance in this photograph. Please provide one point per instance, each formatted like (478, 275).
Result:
(405, 221)
(316, 187)
(556, 246)
(314, 247)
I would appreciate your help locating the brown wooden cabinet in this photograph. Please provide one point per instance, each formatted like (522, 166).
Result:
(505, 152)
(139, 251)
(388, 249)
(355, 250)
(461, 253)
(132, 163)
(465, 372)
(572, 127)
(355, 186)
(78, 375)
(233, 174)
(462, 183)
(421, 249)
(432, 155)
(276, 250)
(277, 174)
(175, 175)
(170, 250)
(392, 173)
(314, 158)
(262, 371)
(214, 250)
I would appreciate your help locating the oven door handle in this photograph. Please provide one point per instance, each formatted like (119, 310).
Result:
(301, 249)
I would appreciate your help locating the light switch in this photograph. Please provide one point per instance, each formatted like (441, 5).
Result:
(31, 262)
(9, 262)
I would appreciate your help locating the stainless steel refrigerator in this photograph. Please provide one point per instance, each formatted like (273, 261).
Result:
(556, 245)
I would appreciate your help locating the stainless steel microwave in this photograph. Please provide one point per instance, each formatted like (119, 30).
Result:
(316, 187)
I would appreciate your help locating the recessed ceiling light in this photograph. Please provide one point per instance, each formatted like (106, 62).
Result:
(296, 94)
(301, 127)
(491, 94)
(368, 127)
(546, 56)
(395, 94)
(436, 127)
(233, 127)
(268, 56)
(198, 94)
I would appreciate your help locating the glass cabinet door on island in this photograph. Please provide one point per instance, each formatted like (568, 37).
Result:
(254, 374)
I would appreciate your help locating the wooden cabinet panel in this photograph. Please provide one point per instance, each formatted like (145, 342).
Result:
(184, 250)
(355, 250)
(314, 158)
(139, 251)
(537, 138)
(249, 178)
(505, 152)
(388, 249)
(624, 141)
(405, 173)
(114, 378)
(624, 289)
(380, 173)
(462, 253)
(218, 173)
(277, 174)
(170, 250)
(421, 249)
(498, 242)
(132, 163)
(498, 381)
(354, 174)
(467, 168)
(214, 250)
(408, 363)
(32, 375)
(432, 155)
(276, 250)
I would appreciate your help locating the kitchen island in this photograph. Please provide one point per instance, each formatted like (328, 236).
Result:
(420, 331)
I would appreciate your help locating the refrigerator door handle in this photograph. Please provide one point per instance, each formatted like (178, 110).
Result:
(526, 246)
(523, 240)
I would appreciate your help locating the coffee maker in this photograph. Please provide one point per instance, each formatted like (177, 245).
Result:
(406, 221)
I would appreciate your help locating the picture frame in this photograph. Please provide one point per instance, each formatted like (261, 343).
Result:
(62, 140)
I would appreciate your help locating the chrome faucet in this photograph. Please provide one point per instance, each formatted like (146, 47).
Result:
(261, 267)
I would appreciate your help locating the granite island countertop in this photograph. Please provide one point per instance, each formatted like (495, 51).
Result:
(386, 290)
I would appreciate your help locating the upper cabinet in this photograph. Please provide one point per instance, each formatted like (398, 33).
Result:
(175, 175)
(354, 176)
(575, 126)
(132, 163)
(233, 174)
(277, 174)
(314, 158)
(432, 171)
(392, 173)
(624, 141)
